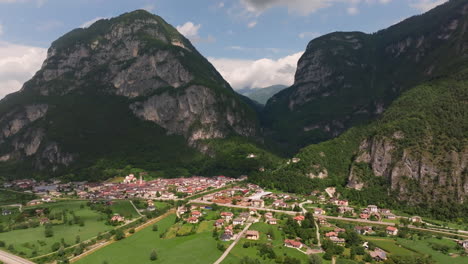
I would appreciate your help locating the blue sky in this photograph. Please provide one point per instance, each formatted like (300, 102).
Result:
(240, 37)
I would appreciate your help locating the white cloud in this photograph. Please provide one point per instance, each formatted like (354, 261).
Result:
(221, 5)
(302, 7)
(92, 21)
(252, 24)
(352, 10)
(18, 63)
(189, 29)
(1, 29)
(308, 35)
(426, 5)
(257, 73)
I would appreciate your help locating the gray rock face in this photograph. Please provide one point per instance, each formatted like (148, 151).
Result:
(194, 114)
(437, 178)
(139, 58)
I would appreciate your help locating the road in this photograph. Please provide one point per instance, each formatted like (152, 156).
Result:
(12, 259)
(239, 236)
(339, 218)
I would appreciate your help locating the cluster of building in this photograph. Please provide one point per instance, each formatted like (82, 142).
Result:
(130, 187)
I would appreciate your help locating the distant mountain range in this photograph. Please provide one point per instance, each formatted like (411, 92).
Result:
(261, 95)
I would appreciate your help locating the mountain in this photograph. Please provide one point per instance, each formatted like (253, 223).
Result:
(413, 158)
(262, 95)
(129, 90)
(346, 79)
(396, 105)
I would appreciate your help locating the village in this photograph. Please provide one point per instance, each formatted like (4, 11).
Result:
(237, 212)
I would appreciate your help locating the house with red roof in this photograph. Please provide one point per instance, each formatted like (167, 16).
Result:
(292, 243)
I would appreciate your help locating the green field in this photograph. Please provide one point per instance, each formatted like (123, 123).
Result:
(390, 245)
(29, 240)
(11, 197)
(198, 248)
(124, 208)
(424, 247)
(239, 251)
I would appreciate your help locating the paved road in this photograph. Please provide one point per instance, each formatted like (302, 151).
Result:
(331, 217)
(12, 259)
(239, 236)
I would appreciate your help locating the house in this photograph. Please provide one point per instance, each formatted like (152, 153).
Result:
(292, 243)
(338, 241)
(182, 210)
(319, 211)
(268, 215)
(238, 221)
(272, 221)
(373, 208)
(345, 209)
(6, 212)
(391, 230)
(322, 220)
(226, 237)
(117, 218)
(464, 244)
(34, 202)
(219, 223)
(364, 216)
(253, 211)
(416, 219)
(196, 214)
(363, 230)
(44, 221)
(339, 230)
(378, 254)
(331, 234)
(192, 220)
(299, 219)
(252, 235)
(385, 211)
(279, 204)
(296, 160)
(244, 216)
(227, 216)
(389, 216)
(258, 203)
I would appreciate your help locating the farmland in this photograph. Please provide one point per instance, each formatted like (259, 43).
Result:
(32, 241)
(195, 248)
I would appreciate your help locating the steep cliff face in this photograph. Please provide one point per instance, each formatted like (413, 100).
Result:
(135, 65)
(417, 177)
(414, 155)
(348, 78)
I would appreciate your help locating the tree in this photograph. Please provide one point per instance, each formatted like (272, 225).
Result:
(119, 234)
(155, 227)
(315, 259)
(77, 239)
(132, 231)
(48, 232)
(153, 255)
(55, 246)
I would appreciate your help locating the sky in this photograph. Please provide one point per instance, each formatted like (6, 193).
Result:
(252, 43)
